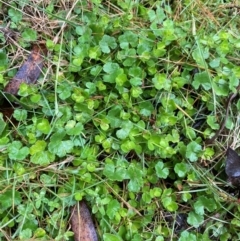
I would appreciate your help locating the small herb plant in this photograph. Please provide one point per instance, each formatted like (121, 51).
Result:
(129, 93)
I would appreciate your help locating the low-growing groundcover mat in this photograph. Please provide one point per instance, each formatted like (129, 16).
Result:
(129, 92)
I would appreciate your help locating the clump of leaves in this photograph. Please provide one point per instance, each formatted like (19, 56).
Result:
(126, 99)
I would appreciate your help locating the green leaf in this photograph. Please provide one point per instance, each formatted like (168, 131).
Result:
(221, 88)
(113, 116)
(9, 198)
(193, 151)
(136, 72)
(186, 236)
(77, 62)
(128, 39)
(107, 43)
(181, 169)
(39, 232)
(161, 171)
(58, 136)
(235, 222)
(168, 31)
(20, 115)
(127, 56)
(224, 48)
(168, 200)
(144, 47)
(156, 192)
(73, 128)
(159, 238)
(203, 79)
(146, 108)
(199, 54)
(136, 81)
(111, 237)
(121, 79)
(94, 52)
(17, 152)
(80, 51)
(35, 98)
(42, 158)
(91, 87)
(128, 145)
(60, 148)
(25, 234)
(124, 132)
(233, 82)
(195, 219)
(186, 196)
(29, 34)
(146, 197)
(204, 203)
(199, 208)
(161, 81)
(86, 37)
(137, 237)
(3, 58)
(50, 44)
(112, 70)
(156, 16)
(114, 172)
(15, 15)
(169, 204)
(3, 141)
(135, 175)
(179, 82)
(64, 90)
(159, 50)
(136, 92)
(44, 126)
(215, 63)
(80, 30)
(39, 146)
(211, 120)
(95, 70)
(104, 124)
(25, 89)
(110, 67)
(112, 208)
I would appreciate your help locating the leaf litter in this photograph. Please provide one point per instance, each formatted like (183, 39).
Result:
(82, 223)
(30, 71)
(232, 167)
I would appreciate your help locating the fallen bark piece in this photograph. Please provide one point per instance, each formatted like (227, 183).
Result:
(29, 71)
(82, 224)
(232, 167)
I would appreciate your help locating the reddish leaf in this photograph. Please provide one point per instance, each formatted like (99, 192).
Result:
(29, 71)
(82, 224)
(232, 167)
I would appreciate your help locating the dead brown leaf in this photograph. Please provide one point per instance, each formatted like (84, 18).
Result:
(82, 224)
(29, 71)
